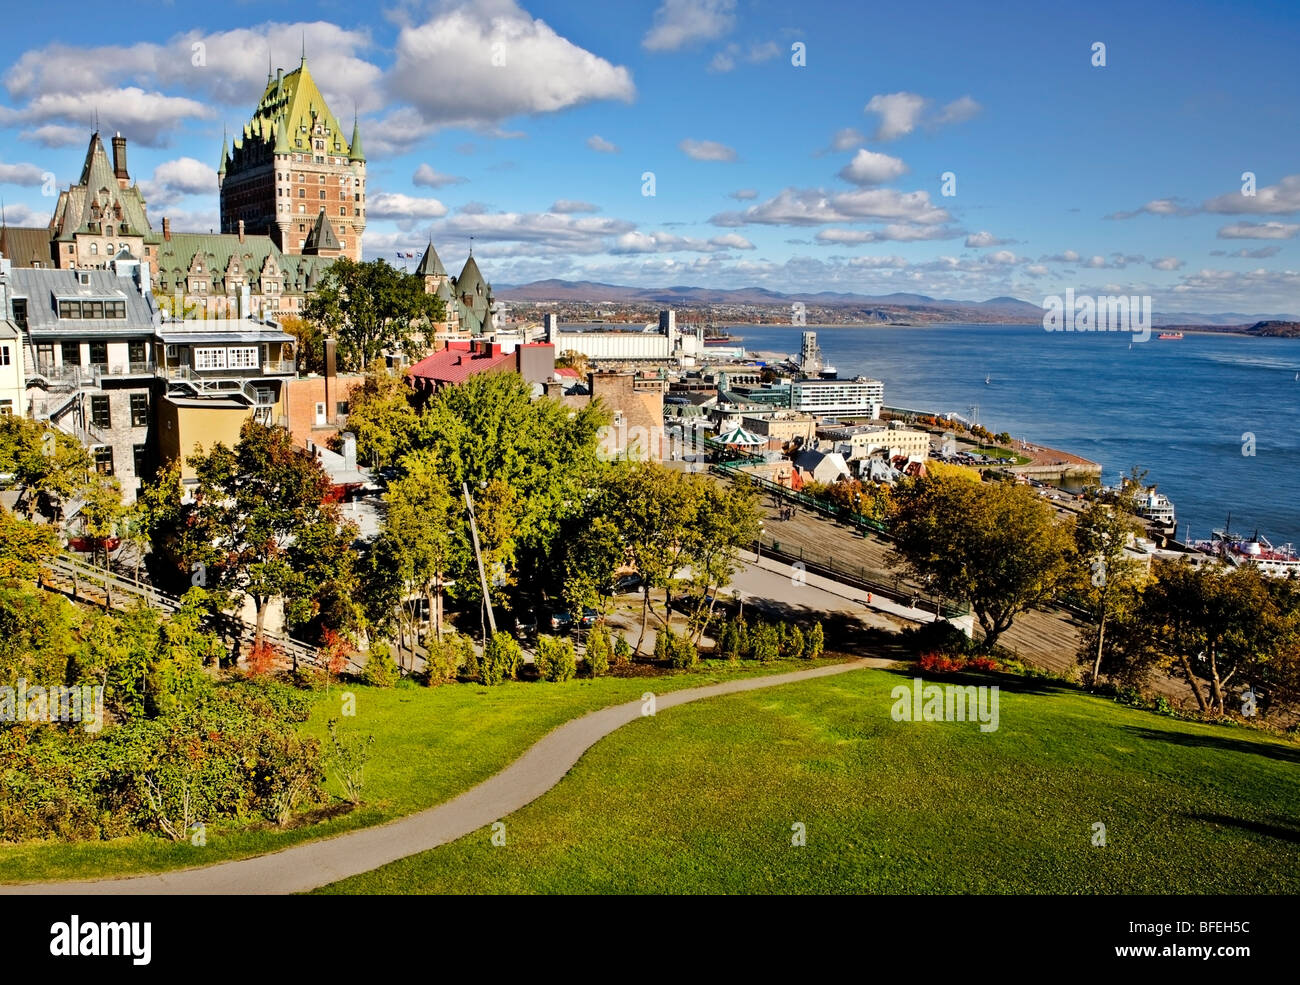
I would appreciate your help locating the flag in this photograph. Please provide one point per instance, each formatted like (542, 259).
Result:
(410, 255)
(399, 254)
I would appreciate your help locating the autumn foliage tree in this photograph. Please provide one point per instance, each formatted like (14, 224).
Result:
(260, 527)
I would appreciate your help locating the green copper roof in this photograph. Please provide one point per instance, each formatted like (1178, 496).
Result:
(430, 264)
(225, 152)
(97, 200)
(356, 153)
(294, 99)
(176, 255)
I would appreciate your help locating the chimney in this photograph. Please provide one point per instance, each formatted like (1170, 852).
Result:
(331, 371)
(241, 230)
(167, 229)
(119, 161)
(349, 451)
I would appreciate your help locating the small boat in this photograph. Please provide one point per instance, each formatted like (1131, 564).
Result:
(1170, 335)
(988, 380)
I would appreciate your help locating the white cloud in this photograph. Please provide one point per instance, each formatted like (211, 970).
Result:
(1280, 199)
(901, 232)
(731, 241)
(1159, 206)
(958, 111)
(744, 194)
(547, 230)
(394, 205)
(899, 113)
(902, 112)
(872, 168)
(725, 60)
(428, 177)
(17, 214)
(445, 67)
(1167, 263)
(814, 207)
(1002, 258)
(706, 150)
(53, 135)
(568, 206)
(599, 144)
(1259, 230)
(21, 174)
(173, 180)
(847, 138)
(983, 239)
(681, 22)
(660, 242)
(146, 117)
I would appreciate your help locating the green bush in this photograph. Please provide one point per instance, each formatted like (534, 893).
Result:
(597, 651)
(815, 643)
(792, 641)
(556, 660)
(447, 657)
(622, 651)
(764, 642)
(675, 651)
(381, 669)
(733, 641)
(501, 659)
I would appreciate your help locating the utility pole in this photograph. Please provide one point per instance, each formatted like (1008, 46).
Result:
(478, 556)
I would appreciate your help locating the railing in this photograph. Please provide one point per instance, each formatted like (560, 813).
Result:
(277, 366)
(76, 376)
(732, 469)
(863, 577)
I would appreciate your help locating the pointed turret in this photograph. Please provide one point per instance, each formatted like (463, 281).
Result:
(225, 153)
(322, 239)
(356, 153)
(430, 264)
(281, 137)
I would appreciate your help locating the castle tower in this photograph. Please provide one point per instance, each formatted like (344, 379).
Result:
(291, 166)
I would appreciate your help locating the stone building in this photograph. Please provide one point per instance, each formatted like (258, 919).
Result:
(291, 166)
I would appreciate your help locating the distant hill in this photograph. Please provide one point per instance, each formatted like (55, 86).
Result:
(897, 308)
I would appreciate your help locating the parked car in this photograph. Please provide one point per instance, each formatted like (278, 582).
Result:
(589, 617)
(560, 620)
(525, 623)
(626, 585)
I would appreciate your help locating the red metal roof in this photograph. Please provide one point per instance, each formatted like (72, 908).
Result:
(459, 361)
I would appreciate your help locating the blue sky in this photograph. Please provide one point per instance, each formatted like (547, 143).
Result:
(530, 126)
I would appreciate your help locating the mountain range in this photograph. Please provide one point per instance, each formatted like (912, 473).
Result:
(897, 308)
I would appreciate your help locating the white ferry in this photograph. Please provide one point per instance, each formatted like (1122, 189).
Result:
(1157, 508)
(1276, 562)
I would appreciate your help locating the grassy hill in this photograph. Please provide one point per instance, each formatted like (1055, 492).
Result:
(702, 798)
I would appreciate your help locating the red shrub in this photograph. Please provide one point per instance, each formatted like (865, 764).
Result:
(942, 663)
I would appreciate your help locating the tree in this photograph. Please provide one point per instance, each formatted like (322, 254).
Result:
(501, 659)
(1101, 534)
(381, 417)
(372, 308)
(997, 546)
(309, 343)
(418, 537)
(260, 525)
(102, 516)
(597, 651)
(556, 660)
(49, 467)
(25, 548)
(1214, 624)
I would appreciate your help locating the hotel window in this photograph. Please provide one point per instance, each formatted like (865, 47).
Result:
(71, 351)
(322, 194)
(209, 358)
(115, 309)
(343, 210)
(108, 251)
(99, 353)
(100, 414)
(94, 249)
(243, 358)
(104, 459)
(5, 358)
(302, 192)
(139, 410)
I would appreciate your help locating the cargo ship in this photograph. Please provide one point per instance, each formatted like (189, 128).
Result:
(1170, 335)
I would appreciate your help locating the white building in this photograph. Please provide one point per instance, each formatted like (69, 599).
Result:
(863, 441)
(858, 397)
(667, 344)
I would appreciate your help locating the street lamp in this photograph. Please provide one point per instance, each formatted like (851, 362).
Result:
(758, 553)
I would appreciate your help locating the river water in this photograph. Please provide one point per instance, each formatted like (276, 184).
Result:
(1188, 411)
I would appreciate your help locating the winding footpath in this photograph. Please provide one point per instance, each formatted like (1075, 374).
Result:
(315, 864)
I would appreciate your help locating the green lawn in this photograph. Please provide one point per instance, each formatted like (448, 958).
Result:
(1005, 454)
(430, 745)
(702, 799)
